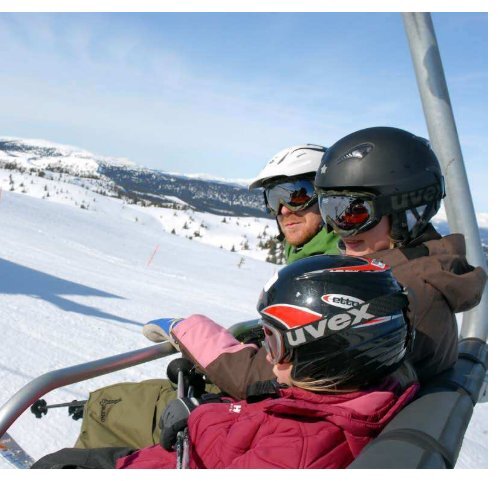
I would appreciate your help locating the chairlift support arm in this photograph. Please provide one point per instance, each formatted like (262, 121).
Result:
(444, 139)
(245, 331)
(47, 382)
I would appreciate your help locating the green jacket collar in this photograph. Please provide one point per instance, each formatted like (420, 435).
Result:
(322, 243)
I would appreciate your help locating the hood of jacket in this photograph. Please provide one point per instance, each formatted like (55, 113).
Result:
(362, 413)
(444, 266)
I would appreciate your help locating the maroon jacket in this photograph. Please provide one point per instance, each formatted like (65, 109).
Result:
(300, 429)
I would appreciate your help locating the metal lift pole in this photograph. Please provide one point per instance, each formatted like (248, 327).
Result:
(444, 140)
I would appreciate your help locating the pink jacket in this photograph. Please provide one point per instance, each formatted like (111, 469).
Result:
(300, 429)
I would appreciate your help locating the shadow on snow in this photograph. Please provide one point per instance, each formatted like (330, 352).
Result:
(16, 279)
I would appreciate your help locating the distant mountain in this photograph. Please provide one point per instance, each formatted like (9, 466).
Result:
(118, 177)
(203, 195)
(125, 179)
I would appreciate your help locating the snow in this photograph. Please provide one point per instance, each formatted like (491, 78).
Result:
(78, 284)
(243, 234)
(41, 154)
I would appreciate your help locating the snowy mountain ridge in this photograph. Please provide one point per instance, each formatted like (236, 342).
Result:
(36, 149)
(43, 154)
(194, 198)
(203, 192)
(249, 236)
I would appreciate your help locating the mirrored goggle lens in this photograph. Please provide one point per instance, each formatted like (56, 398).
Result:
(346, 213)
(294, 195)
(273, 343)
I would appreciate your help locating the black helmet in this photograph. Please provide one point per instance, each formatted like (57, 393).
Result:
(336, 316)
(397, 167)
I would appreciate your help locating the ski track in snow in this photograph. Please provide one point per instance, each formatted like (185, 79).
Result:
(75, 286)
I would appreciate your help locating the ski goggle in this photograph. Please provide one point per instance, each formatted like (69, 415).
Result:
(296, 195)
(348, 213)
(274, 344)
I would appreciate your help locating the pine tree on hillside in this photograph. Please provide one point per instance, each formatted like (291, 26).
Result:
(276, 251)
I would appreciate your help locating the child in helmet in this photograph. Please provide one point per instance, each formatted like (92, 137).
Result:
(378, 189)
(336, 334)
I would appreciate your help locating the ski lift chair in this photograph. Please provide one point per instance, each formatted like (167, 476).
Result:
(428, 433)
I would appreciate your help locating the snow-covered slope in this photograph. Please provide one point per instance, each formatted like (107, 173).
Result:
(77, 284)
(246, 235)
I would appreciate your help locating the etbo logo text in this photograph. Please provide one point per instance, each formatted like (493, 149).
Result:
(341, 300)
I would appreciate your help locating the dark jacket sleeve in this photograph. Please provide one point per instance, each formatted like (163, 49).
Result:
(442, 283)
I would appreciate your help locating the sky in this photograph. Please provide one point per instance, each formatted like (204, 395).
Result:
(221, 93)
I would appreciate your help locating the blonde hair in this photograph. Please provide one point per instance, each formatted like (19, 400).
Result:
(330, 385)
(403, 376)
(338, 383)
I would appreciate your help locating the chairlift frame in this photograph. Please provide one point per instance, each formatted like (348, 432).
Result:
(413, 439)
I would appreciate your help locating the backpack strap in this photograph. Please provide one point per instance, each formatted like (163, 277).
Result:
(261, 390)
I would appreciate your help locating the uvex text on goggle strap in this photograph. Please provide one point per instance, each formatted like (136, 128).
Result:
(280, 343)
(295, 195)
(350, 213)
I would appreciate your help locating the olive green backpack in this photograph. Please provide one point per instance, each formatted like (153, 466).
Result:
(126, 414)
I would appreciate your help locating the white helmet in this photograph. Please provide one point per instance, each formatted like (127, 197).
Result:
(291, 162)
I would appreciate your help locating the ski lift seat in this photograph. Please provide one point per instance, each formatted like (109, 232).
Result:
(428, 433)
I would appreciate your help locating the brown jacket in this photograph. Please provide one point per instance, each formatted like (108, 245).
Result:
(441, 283)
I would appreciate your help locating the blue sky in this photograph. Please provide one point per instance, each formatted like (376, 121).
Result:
(220, 93)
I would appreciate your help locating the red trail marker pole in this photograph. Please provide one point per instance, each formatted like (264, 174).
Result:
(152, 255)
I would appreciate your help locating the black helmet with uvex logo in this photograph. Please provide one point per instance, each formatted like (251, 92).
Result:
(392, 163)
(338, 317)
